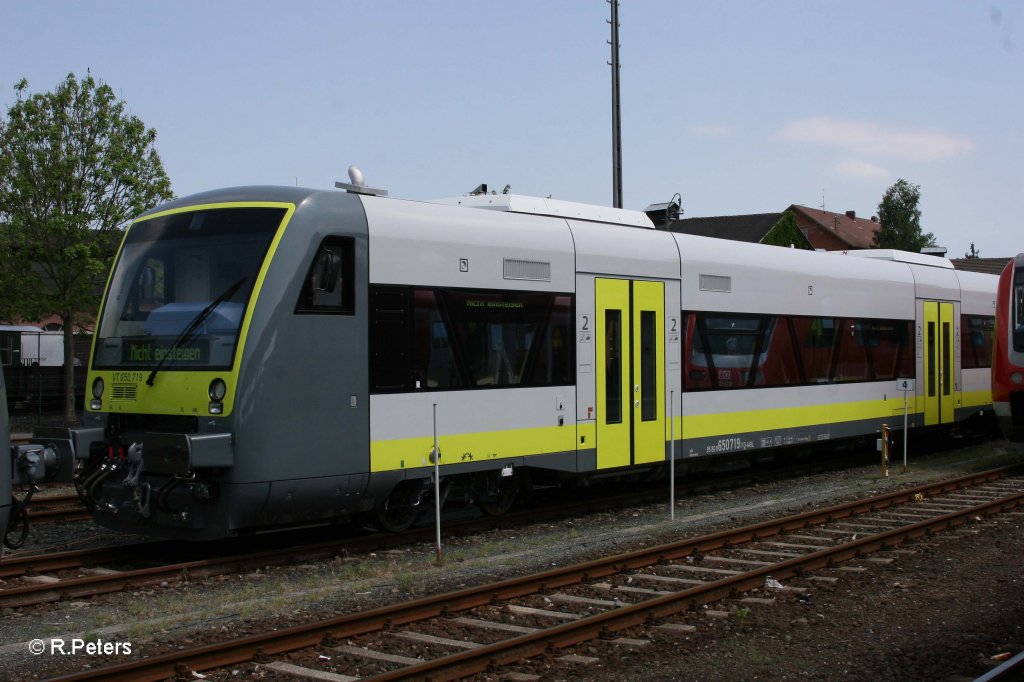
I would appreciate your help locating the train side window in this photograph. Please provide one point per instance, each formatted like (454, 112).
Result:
(890, 351)
(434, 364)
(977, 333)
(389, 338)
(697, 367)
(779, 365)
(329, 286)
(819, 336)
(851, 361)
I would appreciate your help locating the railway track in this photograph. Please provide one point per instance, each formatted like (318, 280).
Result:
(506, 622)
(42, 578)
(55, 508)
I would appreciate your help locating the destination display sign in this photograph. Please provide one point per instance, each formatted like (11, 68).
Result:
(147, 351)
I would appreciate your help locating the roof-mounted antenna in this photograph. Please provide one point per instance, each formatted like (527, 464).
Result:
(358, 184)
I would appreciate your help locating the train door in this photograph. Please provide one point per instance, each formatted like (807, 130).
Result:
(938, 363)
(630, 364)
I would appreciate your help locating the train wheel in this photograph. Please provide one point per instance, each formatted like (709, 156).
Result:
(502, 498)
(395, 519)
(401, 509)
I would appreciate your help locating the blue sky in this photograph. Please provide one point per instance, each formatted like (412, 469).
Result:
(741, 107)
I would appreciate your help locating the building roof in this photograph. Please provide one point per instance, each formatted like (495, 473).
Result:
(859, 233)
(741, 228)
(992, 266)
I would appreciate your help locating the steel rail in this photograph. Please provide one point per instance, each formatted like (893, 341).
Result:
(13, 566)
(24, 595)
(22, 564)
(600, 625)
(310, 634)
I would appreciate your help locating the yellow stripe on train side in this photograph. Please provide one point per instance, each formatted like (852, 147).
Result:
(975, 398)
(407, 453)
(494, 445)
(728, 423)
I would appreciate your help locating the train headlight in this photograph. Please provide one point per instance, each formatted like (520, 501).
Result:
(97, 393)
(218, 389)
(1017, 377)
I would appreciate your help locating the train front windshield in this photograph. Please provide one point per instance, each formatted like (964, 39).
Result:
(180, 289)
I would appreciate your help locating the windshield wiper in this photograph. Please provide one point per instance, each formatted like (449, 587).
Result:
(186, 334)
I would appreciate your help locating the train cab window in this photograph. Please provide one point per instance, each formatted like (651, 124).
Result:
(329, 286)
(194, 271)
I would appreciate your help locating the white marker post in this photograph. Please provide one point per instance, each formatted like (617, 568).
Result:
(905, 385)
(672, 455)
(435, 455)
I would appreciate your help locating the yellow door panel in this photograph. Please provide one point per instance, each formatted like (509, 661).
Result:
(613, 373)
(946, 378)
(931, 363)
(939, 384)
(648, 372)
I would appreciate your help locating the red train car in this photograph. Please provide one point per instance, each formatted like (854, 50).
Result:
(1008, 351)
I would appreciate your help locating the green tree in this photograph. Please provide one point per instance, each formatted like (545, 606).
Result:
(900, 219)
(973, 254)
(786, 233)
(74, 168)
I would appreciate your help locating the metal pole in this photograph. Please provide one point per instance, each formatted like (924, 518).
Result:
(905, 432)
(39, 375)
(616, 117)
(885, 450)
(436, 456)
(672, 455)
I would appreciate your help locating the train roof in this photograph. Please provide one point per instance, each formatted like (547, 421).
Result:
(246, 193)
(519, 203)
(902, 257)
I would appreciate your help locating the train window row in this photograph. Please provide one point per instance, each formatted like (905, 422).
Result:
(425, 338)
(727, 350)
(445, 339)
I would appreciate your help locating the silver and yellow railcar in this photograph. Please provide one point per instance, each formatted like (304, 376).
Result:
(276, 356)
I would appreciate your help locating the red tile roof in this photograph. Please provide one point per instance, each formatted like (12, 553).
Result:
(858, 233)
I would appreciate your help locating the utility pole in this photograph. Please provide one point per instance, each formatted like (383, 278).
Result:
(616, 118)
